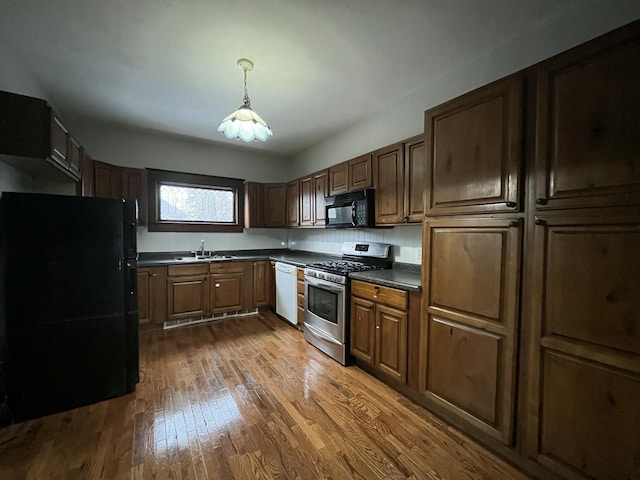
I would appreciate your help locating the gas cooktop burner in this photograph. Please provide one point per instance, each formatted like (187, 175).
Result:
(344, 266)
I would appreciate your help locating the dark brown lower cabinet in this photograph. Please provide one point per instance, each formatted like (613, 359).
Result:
(379, 321)
(187, 291)
(229, 289)
(469, 326)
(152, 295)
(300, 292)
(581, 411)
(261, 283)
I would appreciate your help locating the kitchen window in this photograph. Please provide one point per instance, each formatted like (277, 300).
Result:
(188, 202)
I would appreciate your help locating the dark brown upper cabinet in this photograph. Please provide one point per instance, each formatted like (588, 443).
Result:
(293, 203)
(313, 190)
(399, 176)
(253, 205)
(320, 190)
(122, 182)
(352, 175)
(475, 149)
(360, 172)
(275, 205)
(339, 178)
(32, 136)
(306, 201)
(588, 125)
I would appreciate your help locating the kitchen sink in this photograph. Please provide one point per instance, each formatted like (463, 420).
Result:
(198, 258)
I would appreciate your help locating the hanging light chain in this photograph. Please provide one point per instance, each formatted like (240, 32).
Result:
(247, 102)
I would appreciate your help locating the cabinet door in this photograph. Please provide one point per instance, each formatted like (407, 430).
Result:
(187, 297)
(320, 189)
(144, 296)
(87, 184)
(415, 179)
(391, 342)
(227, 292)
(254, 205)
(306, 201)
(293, 204)
(582, 307)
(59, 141)
(275, 205)
(588, 126)
(388, 167)
(339, 178)
(475, 150)
(360, 173)
(108, 180)
(74, 157)
(472, 286)
(272, 285)
(261, 283)
(134, 185)
(363, 327)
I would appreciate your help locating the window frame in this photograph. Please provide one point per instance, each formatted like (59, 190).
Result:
(156, 178)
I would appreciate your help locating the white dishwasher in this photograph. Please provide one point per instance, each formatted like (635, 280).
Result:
(287, 292)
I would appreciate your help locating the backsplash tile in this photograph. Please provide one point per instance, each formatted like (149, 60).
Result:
(406, 241)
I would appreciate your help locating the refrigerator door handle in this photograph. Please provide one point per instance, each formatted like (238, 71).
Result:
(132, 278)
(120, 265)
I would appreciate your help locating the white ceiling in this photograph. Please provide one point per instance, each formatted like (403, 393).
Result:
(320, 65)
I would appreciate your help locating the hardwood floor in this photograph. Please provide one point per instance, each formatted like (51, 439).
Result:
(245, 398)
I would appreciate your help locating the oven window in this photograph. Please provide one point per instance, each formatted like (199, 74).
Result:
(323, 303)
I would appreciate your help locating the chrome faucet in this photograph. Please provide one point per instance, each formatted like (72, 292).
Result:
(202, 247)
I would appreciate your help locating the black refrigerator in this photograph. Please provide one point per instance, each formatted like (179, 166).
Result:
(69, 301)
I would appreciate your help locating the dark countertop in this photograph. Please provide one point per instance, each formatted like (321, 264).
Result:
(299, 259)
(402, 276)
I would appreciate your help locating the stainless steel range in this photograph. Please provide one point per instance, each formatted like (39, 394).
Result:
(326, 293)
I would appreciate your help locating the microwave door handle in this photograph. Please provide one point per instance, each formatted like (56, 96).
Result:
(353, 213)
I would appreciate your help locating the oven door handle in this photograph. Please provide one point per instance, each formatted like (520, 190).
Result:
(316, 332)
(322, 284)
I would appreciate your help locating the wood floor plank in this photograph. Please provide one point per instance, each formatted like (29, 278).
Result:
(245, 398)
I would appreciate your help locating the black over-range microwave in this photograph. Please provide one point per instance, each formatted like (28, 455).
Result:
(351, 210)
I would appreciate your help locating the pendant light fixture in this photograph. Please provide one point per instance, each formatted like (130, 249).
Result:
(244, 123)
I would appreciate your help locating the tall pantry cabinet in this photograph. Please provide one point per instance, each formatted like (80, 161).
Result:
(472, 259)
(531, 279)
(581, 413)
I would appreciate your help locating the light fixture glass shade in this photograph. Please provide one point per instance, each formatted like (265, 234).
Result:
(246, 125)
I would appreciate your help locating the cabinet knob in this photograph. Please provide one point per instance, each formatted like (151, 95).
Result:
(377, 326)
(514, 223)
(405, 219)
(541, 201)
(512, 204)
(217, 285)
(540, 221)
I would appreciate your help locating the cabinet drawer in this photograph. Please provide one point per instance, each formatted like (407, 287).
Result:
(301, 288)
(379, 294)
(226, 267)
(300, 272)
(179, 270)
(301, 300)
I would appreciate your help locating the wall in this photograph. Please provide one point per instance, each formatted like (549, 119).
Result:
(570, 27)
(405, 240)
(140, 149)
(12, 180)
(586, 20)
